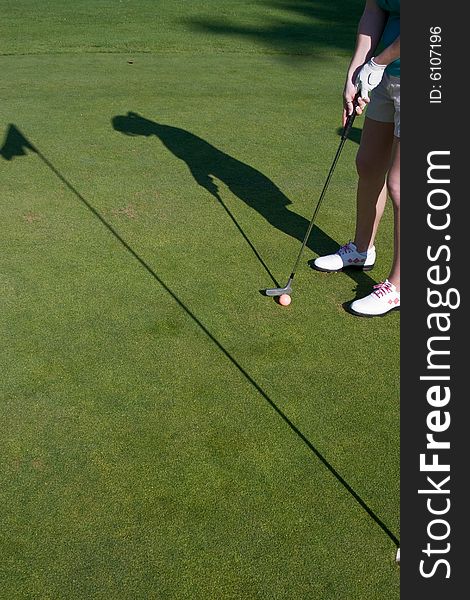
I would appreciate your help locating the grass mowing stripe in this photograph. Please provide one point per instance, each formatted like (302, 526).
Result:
(22, 141)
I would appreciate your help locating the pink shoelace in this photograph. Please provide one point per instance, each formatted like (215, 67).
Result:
(382, 288)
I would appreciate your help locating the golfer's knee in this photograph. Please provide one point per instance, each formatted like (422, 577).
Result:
(393, 188)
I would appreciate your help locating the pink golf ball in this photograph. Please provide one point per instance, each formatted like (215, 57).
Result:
(285, 299)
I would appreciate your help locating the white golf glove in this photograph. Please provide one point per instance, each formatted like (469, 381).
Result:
(369, 77)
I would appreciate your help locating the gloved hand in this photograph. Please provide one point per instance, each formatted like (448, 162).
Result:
(369, 77)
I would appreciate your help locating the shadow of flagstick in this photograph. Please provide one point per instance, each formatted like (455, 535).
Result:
(218, 344)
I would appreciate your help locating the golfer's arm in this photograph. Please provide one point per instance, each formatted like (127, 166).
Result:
(389, 54)
(369, 32)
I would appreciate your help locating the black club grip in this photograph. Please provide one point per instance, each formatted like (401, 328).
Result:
(350, 119)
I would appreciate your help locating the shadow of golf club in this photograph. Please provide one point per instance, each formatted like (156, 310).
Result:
(206, 162)
(15, 145)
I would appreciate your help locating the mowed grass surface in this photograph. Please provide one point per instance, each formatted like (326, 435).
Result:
(166, 430)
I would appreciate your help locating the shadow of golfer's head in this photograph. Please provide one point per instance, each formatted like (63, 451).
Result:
(133, 124)
(199, 155)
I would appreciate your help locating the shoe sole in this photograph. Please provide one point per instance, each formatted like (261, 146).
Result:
(352, 267)
(366, 316)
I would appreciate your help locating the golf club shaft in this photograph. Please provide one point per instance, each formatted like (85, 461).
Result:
(344, 137)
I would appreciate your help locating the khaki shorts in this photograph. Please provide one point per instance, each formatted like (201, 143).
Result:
(385, 102)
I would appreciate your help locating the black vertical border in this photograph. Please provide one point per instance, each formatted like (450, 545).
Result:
(431, 127)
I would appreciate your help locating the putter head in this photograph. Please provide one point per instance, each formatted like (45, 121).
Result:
(279, 291)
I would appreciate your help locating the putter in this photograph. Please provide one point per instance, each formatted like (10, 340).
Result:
(287, 289)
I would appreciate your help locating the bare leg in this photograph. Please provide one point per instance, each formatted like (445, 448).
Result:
(372, 162)
(393, 186)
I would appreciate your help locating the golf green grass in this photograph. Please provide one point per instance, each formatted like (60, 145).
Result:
(166, 431)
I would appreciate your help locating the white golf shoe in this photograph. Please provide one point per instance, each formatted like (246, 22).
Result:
(347, 257)
(381, 301)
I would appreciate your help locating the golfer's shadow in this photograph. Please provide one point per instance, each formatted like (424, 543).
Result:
(206, 162)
